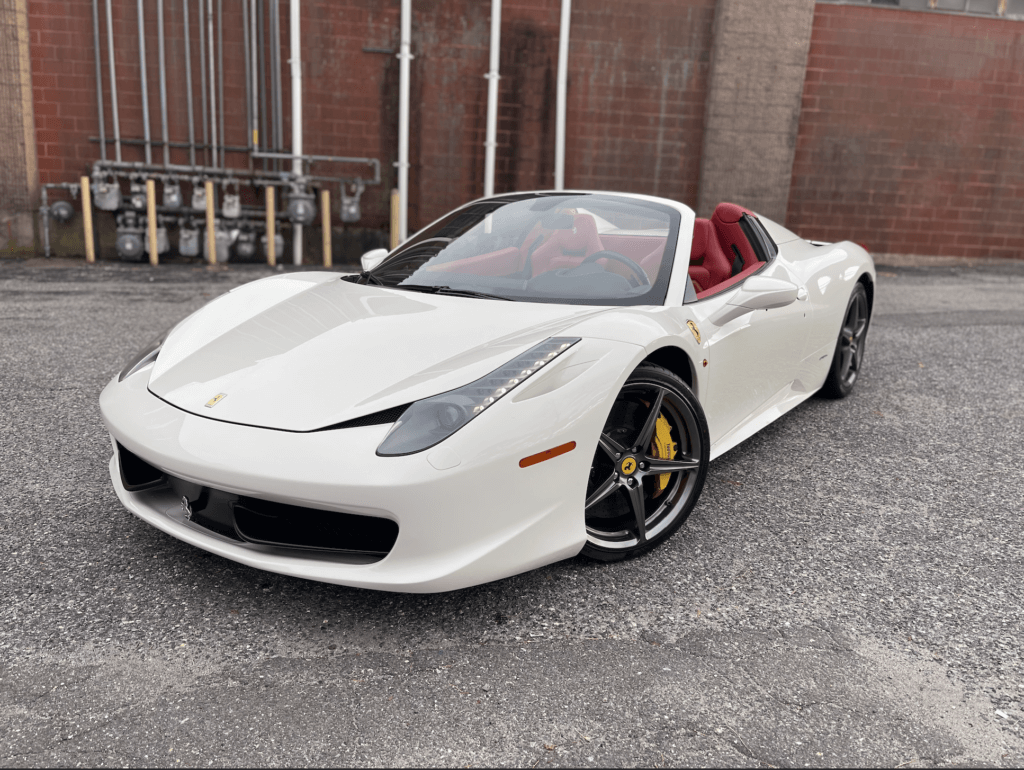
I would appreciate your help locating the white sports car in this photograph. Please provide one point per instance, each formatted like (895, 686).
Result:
(530, 377)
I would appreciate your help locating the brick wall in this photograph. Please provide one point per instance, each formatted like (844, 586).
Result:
(912, 133)
(636, 93)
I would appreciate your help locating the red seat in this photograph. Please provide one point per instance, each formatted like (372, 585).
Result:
(567, 248)
(708, 263)
(726, 220)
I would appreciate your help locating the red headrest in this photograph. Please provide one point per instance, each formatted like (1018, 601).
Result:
(729, 213)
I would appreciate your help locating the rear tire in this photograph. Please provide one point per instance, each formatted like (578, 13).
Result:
(649, 466)
(848, 358)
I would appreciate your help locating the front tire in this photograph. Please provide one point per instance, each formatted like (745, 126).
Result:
(649, 466)
(848, 357)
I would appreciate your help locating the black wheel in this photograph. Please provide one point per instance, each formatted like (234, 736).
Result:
(649, 466)
(849, 354)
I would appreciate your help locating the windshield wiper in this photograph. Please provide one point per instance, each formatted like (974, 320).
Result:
(449, 291)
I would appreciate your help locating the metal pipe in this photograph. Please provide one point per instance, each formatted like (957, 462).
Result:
(213, 82)
(188, 88)
(220, 73)
(563, 68)
(295, 59)
(145, 87)
(262, 67)
(154, 257)
(248, 80)
(491, 143)
(99, 76)
(211, 235)
(275, 74)
(90, 245)
(325, 225)
(403, 121)
(113, 82)
(270, 228)
(254, 131)
(163, 78)
(202, 81)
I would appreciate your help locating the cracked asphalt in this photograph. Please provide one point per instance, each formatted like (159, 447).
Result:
(848, 591)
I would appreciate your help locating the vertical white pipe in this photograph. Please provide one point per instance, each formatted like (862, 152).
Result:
(113, 83)
(213, 82)
(563, 69)
(404, 56)
(491, 142)
(142, 78)
(255, 81)
(295, 50)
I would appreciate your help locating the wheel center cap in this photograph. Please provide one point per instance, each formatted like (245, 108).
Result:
(628, 466)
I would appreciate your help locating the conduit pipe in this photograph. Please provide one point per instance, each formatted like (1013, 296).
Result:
(295, 51)
(188, 87)
(220, 74)
(213, 81)
(145, 89)
(99, 76)
(248, 79)
(563, 69)
(275, 76)
(404, 56)
(202, 82)
(254, 87)
(113, 83)
(491, 143)
(163, 79)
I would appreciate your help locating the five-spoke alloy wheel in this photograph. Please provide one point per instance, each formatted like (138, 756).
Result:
(649, 467)
(849, 354)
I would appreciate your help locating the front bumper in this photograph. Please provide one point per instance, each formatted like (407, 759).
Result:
(466, 512)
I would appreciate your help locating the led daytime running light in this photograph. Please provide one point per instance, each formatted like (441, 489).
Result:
(429, 422)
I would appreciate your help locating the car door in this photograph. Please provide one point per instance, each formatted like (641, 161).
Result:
(754, 354)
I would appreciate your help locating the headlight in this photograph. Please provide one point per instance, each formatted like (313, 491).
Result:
(143, 358)
(432, 420)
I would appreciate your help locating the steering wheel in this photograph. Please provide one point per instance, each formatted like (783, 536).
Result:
(642, 279)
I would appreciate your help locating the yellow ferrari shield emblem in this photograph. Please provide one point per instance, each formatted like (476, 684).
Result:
(695, 330)
(628, 465)
(216, 399)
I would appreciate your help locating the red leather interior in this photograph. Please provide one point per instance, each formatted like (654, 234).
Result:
(709, 265)
(730, 281)
(726, 220)
(567, 248)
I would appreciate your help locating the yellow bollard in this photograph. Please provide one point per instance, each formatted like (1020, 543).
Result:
(90, 246)
(154, 258)
(325, 223)
(271, 234)
(211, 235)
(395, 202)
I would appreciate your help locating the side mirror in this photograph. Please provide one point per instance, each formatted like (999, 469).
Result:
(374, 257)
(757, 293)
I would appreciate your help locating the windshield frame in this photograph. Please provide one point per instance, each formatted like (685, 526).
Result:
(660, 287)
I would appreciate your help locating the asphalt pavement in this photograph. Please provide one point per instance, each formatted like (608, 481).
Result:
(848, 591)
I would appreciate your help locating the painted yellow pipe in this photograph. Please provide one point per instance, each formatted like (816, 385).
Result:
(211, 235)
(396, 203)
(90, 246)
(325, 223)
(154, 258)
(271, 234)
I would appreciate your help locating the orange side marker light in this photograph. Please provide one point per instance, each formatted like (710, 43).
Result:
(540, 457)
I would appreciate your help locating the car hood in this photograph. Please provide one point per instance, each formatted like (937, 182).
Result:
(302, 352)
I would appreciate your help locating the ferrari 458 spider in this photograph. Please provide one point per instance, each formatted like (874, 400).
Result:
(529, 377)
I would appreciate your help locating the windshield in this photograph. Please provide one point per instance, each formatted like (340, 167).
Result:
(572, 248)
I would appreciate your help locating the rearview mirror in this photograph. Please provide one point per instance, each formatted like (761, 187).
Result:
(372, 258)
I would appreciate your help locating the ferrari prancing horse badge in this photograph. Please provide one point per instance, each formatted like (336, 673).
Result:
(695, 330)
(215, 400)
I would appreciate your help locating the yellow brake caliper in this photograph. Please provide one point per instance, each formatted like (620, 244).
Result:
(663, 448)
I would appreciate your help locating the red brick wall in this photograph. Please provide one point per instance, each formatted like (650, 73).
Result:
(636, 93)
(911, 136)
